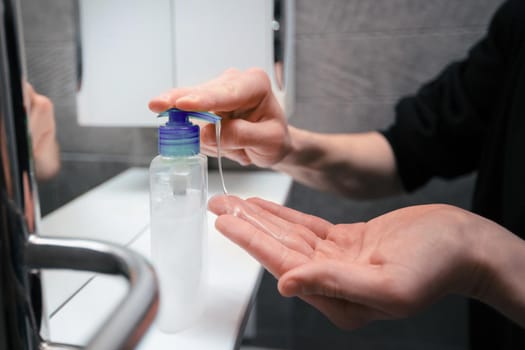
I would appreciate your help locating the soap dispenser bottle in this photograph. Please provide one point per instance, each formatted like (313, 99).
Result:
(178, 200)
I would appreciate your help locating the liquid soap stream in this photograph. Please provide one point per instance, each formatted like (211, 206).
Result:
(218, 139)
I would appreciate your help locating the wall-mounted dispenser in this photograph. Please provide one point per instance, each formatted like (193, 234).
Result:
(133, 50)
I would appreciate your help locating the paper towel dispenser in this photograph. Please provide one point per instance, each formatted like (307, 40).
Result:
(133, 50)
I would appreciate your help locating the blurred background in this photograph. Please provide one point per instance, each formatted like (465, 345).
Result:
(353, 60)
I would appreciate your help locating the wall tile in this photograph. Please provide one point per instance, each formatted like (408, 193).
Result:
(51, 70)
(336, 16)
(48, 20)
(360, 68)
(321, 115)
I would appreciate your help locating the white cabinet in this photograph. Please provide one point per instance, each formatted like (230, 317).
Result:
(132, 50)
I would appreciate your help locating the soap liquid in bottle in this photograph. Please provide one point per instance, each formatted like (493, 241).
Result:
(178, 227)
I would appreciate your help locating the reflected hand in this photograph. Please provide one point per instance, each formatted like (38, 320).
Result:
(389, 267)
(42, 128)
(254, 128)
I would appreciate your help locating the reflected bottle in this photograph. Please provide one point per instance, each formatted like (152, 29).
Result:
(178, 199)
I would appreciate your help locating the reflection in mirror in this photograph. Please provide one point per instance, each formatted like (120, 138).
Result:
(278, 50)
(283, 69)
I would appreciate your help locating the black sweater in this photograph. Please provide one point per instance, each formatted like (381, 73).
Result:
(472, 118)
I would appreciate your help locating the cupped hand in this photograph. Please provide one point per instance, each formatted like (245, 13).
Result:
(389, 267)
(254, 128)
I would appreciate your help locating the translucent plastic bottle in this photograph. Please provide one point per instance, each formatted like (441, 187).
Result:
(178, 196)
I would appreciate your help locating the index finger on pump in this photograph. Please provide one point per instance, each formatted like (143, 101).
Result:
(230, 91)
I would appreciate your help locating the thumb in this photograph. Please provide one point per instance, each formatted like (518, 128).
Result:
(334, 279)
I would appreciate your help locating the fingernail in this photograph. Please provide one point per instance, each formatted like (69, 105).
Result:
(164, 97)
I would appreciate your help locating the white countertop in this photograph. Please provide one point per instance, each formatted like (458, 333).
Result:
(118, 211)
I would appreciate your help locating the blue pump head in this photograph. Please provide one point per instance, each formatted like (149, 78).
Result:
(179, 137)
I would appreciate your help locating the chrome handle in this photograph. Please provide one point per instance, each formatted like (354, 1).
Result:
(137, 310)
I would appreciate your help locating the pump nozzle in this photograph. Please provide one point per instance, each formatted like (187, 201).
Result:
(179, 137)
(176, 115)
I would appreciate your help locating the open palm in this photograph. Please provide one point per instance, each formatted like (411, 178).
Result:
(389, 267)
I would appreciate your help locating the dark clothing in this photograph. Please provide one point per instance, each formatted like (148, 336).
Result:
(472, 118)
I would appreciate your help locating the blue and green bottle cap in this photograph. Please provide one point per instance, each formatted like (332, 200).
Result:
(179, 136)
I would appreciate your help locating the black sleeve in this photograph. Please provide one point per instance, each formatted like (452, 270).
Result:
(440, 130)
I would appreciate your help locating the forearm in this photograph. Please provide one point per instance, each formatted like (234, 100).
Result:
(355, 165)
